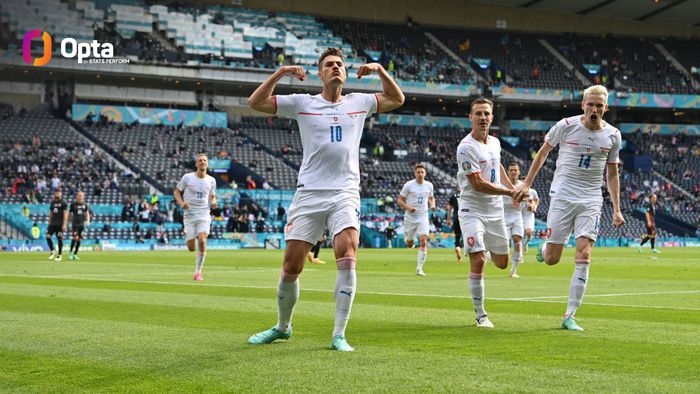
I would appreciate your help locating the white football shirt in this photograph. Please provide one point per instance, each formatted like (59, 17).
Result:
(583, 154)
(195, 192)
(476, 157)
(417, 195)
(509, 211)
(330, 137)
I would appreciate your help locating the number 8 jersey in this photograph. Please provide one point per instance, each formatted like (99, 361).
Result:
(583, 154)
(330, 137)
(475, 157)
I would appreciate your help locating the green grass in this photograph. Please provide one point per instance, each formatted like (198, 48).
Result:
(136, 322)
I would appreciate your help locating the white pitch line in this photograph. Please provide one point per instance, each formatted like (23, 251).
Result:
(80, 276)
(547, 299)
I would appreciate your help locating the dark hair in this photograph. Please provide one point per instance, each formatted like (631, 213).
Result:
(330, 52)
(513, 163)
(480, 100)
(421, 165)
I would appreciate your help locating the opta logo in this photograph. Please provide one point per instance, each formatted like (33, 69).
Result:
(27, 48)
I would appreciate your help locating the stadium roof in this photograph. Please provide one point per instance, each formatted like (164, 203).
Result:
(684, 12)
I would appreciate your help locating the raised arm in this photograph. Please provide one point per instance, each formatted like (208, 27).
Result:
(391, 97)
(614, 190)
(262, 99)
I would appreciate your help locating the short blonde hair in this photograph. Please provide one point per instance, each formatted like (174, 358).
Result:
(596, 90)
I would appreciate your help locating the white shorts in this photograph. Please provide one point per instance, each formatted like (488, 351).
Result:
(195, 226)
(484, 233)
(581, 217)
(312, 211)
(416, 227)
(514, 225)
(529, 220)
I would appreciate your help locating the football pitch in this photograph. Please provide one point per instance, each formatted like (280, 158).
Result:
(137, 322)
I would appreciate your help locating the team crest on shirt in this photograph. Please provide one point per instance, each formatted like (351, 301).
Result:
(466, 166)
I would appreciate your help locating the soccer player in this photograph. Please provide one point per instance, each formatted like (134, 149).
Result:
(327, 195)
(416, 198)
(453, 221)
(513, 215)
(587, 145)
(316, 249)
(80, 219)
(651, 228)
(58, 222)
(479, 177)
(529, 210)
(195, 193)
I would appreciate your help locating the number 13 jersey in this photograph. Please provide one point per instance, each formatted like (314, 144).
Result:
(583, 154)
(330, 137)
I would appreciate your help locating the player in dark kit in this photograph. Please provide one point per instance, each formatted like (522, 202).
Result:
(453, 221)
(58, 221)
(80, 219)
(651, 227)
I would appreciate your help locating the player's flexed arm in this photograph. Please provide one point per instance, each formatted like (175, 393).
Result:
(520, 191)
(391, 97)
(614, 189)
(262, 99)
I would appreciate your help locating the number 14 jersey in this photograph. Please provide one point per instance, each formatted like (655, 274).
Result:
(330, 137)
(583, 154)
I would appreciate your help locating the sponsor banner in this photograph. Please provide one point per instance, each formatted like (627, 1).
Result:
(149, 116)
(662, 129)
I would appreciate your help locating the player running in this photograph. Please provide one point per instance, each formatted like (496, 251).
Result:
(195, 193)
(58, 222)
(479, 176)
(453, 222)
(327, 195)
(416, 198)
(529, 210)
(651, 227)
(586, 144)
(512, 212)
(80, 220)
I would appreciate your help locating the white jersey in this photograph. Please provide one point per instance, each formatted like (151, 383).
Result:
(524, 204)
(509, 211)
(476, 157)
(195, 192)
(417, 195)
(583, 154)
(330, 137)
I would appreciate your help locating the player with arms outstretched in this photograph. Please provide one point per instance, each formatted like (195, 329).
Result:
(196, 194)
(416, 198)
(587, 146)
(328, 188)
(479, 176)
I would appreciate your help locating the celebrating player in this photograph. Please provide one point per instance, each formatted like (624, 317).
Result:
(327, 195)
(651, 228)
(416, 198)
(479, 176)
(195, 192)
(586, 144)
(513, 215)
(58, 222)
(80, 219)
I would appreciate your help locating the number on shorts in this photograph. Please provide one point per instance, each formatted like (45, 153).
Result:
(336, 134)
(585, 161)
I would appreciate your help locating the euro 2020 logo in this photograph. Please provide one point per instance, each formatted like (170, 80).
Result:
(27, 48)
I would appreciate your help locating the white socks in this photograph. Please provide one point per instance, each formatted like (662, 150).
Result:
(422, 254)
(476, 287)
(577, 289)
(517, 258)
(287, 296)
(345, 285)
(200, 262)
